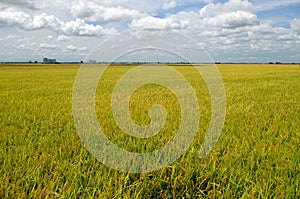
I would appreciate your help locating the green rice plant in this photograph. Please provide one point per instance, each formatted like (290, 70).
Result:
(257, 155)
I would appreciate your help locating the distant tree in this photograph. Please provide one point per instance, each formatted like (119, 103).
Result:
(81, 62)
(271, 63)
(30, 62)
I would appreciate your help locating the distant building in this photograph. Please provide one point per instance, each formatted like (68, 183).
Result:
(49, 61)
(92, 62)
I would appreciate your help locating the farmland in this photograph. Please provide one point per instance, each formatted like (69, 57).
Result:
(257, 155)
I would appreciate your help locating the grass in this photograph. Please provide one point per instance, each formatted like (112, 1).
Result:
(257, 155)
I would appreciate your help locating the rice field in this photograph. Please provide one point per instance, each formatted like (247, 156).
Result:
(257, 155)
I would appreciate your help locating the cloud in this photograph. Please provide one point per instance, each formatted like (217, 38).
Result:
(79, 27)
(232, 14)
(295, 24)
(154, 22)
(23, 47)
(10, 17)
(169, 5)
(62, 38)
(21, 3)
(84, 48)
(42, 21)
(231, 27)
(47, 46)
(269, 5)
(71, 47)
(36, 4)
(212, 9)
(144, 6)
(232, 20)
(93, 12)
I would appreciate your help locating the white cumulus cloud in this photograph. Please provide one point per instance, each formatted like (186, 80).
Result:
(212, 9)
(42, 21)
(10, 16)
(62, 38)
(71, 47)
(94, 12)
(295, 24)
(77, 27)
(155, 22)
(232, 20)
(169, 5)
(47, 46)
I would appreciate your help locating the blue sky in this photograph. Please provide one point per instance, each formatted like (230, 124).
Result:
(231, 31)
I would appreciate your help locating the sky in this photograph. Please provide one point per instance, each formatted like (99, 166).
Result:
(249, 31)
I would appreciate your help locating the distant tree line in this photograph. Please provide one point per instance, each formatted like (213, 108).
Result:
(255, 63)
